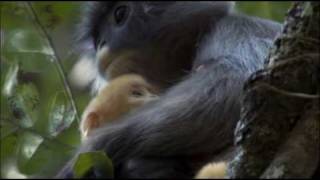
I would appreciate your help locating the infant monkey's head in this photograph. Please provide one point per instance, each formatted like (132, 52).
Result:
(129, 91)
(120, 96)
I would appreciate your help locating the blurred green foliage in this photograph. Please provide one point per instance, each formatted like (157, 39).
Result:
(39, 130)
(275, 10)
(96, 161)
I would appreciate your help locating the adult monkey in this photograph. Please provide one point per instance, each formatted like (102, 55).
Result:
(199, 54)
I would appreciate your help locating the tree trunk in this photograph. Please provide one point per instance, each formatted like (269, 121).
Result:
(278, 133)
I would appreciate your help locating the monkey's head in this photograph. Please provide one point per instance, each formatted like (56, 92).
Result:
(130, 90)
(121, 95)
(154, 39)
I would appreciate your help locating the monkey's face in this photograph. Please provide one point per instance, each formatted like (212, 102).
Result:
(126, 92)
(120, 96)
(132, 90)
(154, 39)
(140, 94)
(123, 35)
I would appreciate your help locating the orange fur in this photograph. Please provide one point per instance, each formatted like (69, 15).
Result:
(213, 171)
(114, 100)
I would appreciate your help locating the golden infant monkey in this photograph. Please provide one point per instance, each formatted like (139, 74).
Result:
(117, 98)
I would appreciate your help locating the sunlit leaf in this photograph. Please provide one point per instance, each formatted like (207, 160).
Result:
(70, 135)
(47, 159)
(8, 147)
(8, 153)
(28, 144)
(53, 153)
(20, 36)
(13, 10)
(10, 80)
(96, 161)
(29, 96)
(6, 128)
(25, 41)
(61, 114)
(23, 104)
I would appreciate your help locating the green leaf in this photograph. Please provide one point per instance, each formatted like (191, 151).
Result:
(10, 81)
(28, 144)
(8, 147)
(25, 41)
(23, 104)
(46, 160)
(61, 114)
(70, 136)
(6, 128)
(52, 153)
(23, 44)
(13, 10)
(8, 151)
(20, 35)
(97, 161)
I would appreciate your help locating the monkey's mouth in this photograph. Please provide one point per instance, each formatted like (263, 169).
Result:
(113, 64)
(104, 59)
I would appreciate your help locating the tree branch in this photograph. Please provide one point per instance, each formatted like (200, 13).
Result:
(278, 133)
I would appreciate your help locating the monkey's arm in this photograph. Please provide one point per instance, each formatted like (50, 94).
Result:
(196, 116)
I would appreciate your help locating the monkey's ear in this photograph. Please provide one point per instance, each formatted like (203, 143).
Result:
(92, 122)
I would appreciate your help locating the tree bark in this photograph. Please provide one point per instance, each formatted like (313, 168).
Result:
(278, 133)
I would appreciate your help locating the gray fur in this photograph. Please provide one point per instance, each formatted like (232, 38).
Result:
(198, 111)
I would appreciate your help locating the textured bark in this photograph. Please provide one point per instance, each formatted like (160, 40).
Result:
(278, 134)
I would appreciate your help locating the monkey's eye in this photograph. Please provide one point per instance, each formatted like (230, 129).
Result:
(120, 14)
(136, 93)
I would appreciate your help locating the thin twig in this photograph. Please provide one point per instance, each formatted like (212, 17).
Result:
(57, 60)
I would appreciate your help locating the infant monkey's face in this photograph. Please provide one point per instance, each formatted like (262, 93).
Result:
(131, 90)
(120, 96)
(124, 93)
